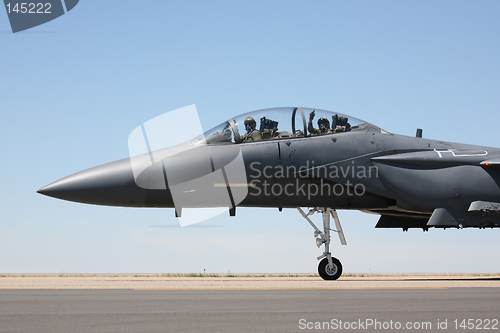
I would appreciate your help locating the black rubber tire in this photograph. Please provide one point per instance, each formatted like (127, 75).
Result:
(328, 274)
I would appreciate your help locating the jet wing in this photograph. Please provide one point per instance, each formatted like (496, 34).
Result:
(395, 218)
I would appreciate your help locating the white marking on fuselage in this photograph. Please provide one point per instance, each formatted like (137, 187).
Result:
(440, 152)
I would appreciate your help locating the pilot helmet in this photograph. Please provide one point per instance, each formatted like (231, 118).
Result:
(323, 123)
(250, 124)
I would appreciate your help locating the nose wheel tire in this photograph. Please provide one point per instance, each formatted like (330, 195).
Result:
(327, 272)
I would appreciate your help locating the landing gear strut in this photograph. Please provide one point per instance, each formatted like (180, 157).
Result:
(329, 268)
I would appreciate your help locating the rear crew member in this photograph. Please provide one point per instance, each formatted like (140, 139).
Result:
(323, 125)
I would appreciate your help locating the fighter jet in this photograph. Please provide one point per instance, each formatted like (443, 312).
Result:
(295, 157)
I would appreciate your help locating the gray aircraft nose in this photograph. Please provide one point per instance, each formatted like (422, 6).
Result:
(109, 184)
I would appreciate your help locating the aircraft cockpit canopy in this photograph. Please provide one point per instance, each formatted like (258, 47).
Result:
(280, 123)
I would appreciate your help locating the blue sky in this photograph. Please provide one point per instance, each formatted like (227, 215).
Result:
(72, 90)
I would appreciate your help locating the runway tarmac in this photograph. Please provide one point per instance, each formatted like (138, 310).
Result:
(128, 303)
(245, 310)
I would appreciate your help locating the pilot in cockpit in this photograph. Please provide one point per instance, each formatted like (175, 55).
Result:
(252, 134)
(323, 125)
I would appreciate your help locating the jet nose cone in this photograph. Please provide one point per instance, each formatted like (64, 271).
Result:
(109, 184)
(46, 190)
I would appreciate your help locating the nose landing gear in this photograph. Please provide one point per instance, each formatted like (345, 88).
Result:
(329, 268)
